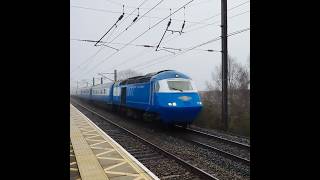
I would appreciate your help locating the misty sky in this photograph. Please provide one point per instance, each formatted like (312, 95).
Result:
(91, 19)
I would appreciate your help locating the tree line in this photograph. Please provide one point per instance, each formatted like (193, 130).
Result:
(238, 99)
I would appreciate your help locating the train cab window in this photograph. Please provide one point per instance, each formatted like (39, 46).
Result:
(176, 85)
(179, 85)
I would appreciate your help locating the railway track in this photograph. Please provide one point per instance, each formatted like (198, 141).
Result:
(163, 163)
(242, 145)
(231, 149)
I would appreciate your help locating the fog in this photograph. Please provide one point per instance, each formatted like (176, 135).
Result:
(91, 19)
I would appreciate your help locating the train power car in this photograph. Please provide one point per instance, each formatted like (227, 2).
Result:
(167, 95)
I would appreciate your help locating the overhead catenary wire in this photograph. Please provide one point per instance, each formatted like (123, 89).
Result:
(230, 9)
(137, 20)
(144, 65)
(114, 25)
(128, 14)
(156, 17)
(123, 31)
(169, 23)
(188, 30)
(159, 9)
(140, 35)
(144, 53)
(102, 47)
(209, 50)
(132, 13)
(217, 21)
(138, 45)
(139, 54)
(206, 25)
(137, 8)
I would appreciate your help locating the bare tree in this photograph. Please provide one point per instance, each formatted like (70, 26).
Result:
(238, 100)
(238, 76)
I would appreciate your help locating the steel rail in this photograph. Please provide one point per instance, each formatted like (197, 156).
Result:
(191, 167)
(243, 145)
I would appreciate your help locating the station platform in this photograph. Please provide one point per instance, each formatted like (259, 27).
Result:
(94, 155)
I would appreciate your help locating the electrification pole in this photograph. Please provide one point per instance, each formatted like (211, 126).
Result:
(224, 63)
(115, 75)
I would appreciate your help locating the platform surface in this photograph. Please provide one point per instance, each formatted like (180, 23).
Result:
(98, 156)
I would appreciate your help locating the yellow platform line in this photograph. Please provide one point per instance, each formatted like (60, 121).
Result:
(73, 169)
(97, 143)
(116, 165)
(117, 147)
(88, 165)
(141, 171)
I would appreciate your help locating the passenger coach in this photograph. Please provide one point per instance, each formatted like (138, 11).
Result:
(167, 95)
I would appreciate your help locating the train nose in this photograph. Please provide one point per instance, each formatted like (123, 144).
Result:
(179, 115)
(180, 108)
(184, 101)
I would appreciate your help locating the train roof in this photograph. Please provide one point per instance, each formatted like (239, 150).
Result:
(164, 74)
(102, 85)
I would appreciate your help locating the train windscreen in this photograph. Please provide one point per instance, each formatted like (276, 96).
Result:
(175, 85)
(180, 85)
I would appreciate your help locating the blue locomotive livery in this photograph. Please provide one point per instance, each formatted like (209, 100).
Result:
(167, 95)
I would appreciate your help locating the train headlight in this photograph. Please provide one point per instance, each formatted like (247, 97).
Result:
(199, 103)
(172, 104)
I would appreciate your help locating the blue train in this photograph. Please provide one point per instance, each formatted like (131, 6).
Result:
(167, 95)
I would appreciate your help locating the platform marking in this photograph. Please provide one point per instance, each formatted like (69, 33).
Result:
(116, 165)
(111, 158)
(99, 148)
(138, 178)
(122, 173)
(89, 167)
(113, 166)
(105, 152)
(91, 134)
(74, 171)
(97, 143)
(85, 133)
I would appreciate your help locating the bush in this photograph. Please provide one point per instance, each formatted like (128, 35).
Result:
(239, 114)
